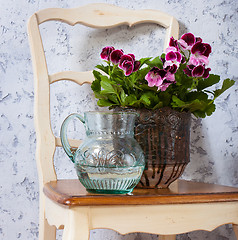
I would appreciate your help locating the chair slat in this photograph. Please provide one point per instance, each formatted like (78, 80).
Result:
(77, 77)
(101, 15)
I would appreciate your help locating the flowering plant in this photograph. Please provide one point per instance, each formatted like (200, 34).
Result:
(178, 79)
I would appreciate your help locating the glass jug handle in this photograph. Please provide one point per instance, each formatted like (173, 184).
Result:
(63, 134)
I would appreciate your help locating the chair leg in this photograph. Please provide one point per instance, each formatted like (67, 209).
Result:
(46, 231)
(77, 226)
(167, 237)
(235, 229)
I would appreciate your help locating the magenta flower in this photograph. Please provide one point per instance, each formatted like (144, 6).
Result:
(155, 77)
(174, 43)
(172, 69)
(132, 55)
(115, 56)
(198, 39)
(106, 52)
(164, 86)
(159, 78)
(128, 64)
(187, 41)
(200, 53)
(206, 72)
(172, 57)
(197, 71)
(136, 66)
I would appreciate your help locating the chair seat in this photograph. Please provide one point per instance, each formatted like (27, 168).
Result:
(72, 193)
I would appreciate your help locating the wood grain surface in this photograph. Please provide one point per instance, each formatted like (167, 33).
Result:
(72, 193)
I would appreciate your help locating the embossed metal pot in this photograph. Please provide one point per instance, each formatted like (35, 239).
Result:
(164, 135)
(109, 160)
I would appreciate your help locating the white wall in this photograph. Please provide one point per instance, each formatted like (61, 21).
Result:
(214, 155)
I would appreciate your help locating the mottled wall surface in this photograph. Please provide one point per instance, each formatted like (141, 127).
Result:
(214, 155)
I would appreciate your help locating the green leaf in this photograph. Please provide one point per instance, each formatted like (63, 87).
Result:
(199, 114)
(113, 98)
(150, 99)
(96, 86)
(208, 82)
(140, 74)
(103, 68)
(123, 96)
(156, 62)
(210, 109)
(165, 97)
(131, 100)
(226, 84)
(97, 75)
(196, 95)
(177, 102)
(144, 61)
(145, 99)
(182, 79)
(104, 103)
(117, 75)
(147, 88)
(158, 105)
(191, 106)
(107, 86)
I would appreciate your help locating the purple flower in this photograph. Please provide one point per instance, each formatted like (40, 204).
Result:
(200, 53)
(197, 71)
(106, 52)
(128, 64)
(115, 56)
(159, 78)
(187, 41)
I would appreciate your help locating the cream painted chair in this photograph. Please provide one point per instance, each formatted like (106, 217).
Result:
(186, 206)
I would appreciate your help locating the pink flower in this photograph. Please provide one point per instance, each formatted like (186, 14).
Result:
(200, 53)
(172, 57)
(159, 78)
(187, 41)
(106, 52)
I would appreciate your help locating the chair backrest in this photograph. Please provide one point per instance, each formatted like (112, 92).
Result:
(94, 16)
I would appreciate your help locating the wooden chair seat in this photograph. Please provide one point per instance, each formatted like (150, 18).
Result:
(185, 206)
(72, 193)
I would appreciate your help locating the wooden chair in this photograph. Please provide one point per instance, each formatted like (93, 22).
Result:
(186, 206)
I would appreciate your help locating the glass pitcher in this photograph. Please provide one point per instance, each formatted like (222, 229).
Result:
(109, 160)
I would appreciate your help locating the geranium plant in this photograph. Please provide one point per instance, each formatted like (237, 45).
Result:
(180, 78)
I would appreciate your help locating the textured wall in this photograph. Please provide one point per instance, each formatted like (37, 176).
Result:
(214, 140)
